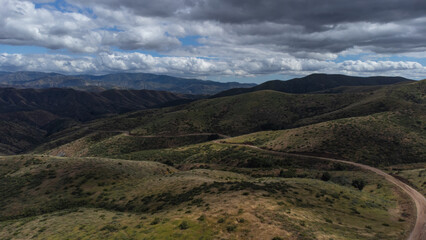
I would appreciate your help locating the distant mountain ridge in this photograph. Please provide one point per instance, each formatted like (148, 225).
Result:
(83, 105)
(134, 81)
(28, 115)
(315, 83)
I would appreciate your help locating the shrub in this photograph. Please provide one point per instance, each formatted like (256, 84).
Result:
(109, 228)
(290, 173)
(355, 211)
(358, 183)
(184, 225)
(231, 228)
(326, 176)
(155, 221)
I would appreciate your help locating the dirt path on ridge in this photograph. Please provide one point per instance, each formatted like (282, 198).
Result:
(419, 230)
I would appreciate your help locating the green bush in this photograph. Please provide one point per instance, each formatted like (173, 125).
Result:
(231, 228)
(359, 183)
(184, 225)
(109, 228)
(326, 176)
(155, 221)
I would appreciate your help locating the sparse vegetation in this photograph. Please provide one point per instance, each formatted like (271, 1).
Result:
(157, 195)
(170, 173)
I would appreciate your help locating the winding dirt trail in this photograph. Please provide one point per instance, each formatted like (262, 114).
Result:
(129, 134)
(419, 230)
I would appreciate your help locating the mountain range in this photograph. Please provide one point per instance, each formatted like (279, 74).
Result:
(135, 81)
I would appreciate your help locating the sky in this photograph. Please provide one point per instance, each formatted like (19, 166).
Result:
(222, 40)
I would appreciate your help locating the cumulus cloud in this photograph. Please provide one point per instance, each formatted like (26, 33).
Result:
(21, 23)
(47, 63)
(293, 25)
(234, 37)
(196, 67)
(290, 26)
(379, 66)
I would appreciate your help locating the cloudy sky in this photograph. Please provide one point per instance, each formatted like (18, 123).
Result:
(238, 40)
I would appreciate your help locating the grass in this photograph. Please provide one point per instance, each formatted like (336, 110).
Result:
(94, 145)
(119, 199)
(113, 185)
(413, 174)
(234, 115)
(379, 139)
(385, 126)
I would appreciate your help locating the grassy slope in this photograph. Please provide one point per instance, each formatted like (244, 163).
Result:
(230, 116)
(390, 137)
(115, 199)
(413, 174)
(263, 110)
(110, 144)
(379, 139)
(238, 189)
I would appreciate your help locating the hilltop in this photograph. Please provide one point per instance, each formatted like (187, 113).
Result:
(319, 83)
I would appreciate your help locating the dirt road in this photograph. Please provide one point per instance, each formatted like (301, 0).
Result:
(419, 230)
(129, 134)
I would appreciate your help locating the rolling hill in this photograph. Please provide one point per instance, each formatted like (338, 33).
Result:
(346, 124)
(204, 169)
(135, 81)
(379, 140)
(317, 83)
(52, 197)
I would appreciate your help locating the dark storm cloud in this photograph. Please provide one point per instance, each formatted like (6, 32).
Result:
(297, 25)
(312, 14)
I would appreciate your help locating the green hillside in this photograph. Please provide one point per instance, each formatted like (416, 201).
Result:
(47, 197)
(343, 124)
(190, 171)
(391, 137)
(378, 139)
(234, 115)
